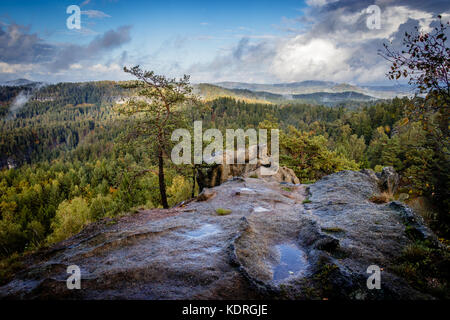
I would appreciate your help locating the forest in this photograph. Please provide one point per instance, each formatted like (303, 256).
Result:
(66, 161)
(75, 153)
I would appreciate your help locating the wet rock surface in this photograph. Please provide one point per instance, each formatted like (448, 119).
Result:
(273, 244)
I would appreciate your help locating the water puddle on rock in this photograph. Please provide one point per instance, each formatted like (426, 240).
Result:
(292, 262)
(203, 231)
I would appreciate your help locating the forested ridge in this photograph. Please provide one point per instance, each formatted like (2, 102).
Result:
(65, 162)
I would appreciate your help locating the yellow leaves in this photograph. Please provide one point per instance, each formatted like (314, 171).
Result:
(70, 217)
(179, 190)
(112, 190)
(444, 241)
(7, 210)
(380, 130)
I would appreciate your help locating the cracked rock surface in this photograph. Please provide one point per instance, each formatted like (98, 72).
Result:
(273, 244)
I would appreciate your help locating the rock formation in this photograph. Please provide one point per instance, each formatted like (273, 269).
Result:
(215, 174)
(274, 240)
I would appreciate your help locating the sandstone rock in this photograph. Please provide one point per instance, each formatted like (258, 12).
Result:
(215, 174)
(388, 180)
(270, 246)
(283, 174)
(206, 194)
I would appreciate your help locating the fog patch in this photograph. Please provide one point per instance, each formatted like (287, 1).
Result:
(19, 101)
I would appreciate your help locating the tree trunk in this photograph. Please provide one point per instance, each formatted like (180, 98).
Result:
(162, 183)
(193, 181)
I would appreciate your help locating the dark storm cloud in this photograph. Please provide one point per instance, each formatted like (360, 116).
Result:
(434, 6)
(70, 54)
(18, 46)
(328, 17)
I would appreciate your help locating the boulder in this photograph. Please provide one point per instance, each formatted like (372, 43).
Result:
(388, 180)
(206, 194)
(215, 174)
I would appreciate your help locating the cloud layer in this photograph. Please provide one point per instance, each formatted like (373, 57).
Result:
(330, 41)
(22, 52)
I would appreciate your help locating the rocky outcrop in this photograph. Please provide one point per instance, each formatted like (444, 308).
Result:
(273, 240)
(215, 174)
(387, 180)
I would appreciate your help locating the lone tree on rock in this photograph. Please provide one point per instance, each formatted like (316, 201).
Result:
(425, 62)
(157, 108)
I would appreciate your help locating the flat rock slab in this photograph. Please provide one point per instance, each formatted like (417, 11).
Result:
(271, 245)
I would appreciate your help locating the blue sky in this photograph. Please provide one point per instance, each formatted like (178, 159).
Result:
(255, 41)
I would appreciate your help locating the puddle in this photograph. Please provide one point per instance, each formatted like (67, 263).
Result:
(260, 209)
(292, 262)
(246, 191)
(203, 231)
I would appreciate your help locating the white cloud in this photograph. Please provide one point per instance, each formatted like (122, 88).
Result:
(319, 3)
(15, 68)
(95, 14)
(76, 66)
(300, 59)
(105, 68)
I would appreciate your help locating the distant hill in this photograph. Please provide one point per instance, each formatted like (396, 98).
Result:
(313, 86)
(210, 92)
(19, 83)
(313, 92)
(328, 98)
(280, 88)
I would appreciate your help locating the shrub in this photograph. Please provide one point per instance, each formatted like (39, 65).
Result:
(309, 157)
(179, 190)
(101, 206)
(70, 218)
(12, 238)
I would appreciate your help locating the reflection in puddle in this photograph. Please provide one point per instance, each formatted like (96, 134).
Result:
(205, 230)
(292, 262)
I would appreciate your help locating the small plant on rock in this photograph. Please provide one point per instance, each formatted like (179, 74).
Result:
(223, 212)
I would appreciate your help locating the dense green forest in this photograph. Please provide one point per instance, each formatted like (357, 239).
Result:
(66, 163)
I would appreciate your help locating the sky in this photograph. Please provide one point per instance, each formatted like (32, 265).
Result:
(247, 41)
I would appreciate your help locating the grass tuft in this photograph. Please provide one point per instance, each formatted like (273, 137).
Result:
(333, 230)
(223, 212)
